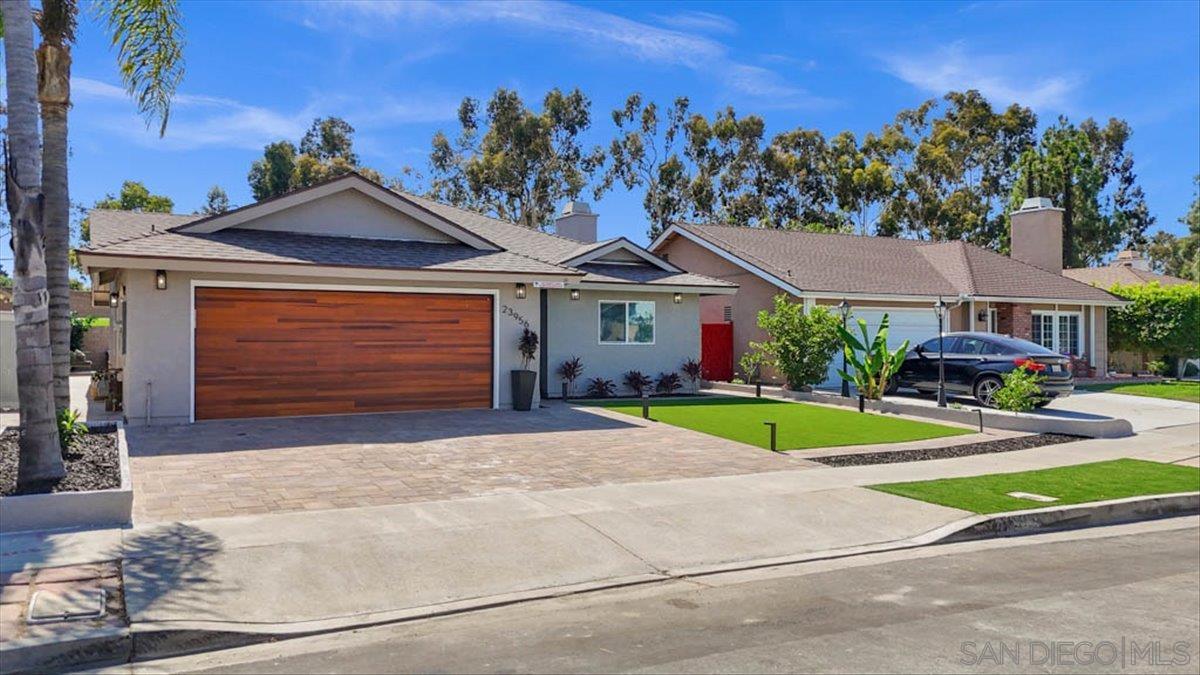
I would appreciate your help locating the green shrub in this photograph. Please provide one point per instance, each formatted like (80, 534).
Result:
(800, 345)
(1020, 392)
(79, 326)
(70, 427)
(1157, 367)
(873, 363)
(1158, 319)
(751, 363)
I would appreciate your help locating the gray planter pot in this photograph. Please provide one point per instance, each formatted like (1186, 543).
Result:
(523, 383)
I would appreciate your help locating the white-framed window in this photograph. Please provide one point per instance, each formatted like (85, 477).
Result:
(626, 322)
(1060, 331)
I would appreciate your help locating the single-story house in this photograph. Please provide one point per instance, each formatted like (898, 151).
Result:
(1130, 268)
(1025, 295)
(349, 297)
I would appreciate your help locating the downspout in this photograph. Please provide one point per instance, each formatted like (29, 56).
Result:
(543, 347)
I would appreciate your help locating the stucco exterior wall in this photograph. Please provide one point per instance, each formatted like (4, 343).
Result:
(348, 214)
(573, 329)
(158, 355)
(753, 293)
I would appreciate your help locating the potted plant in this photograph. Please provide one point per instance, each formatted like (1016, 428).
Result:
(524, 380)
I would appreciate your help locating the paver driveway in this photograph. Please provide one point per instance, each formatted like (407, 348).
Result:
(240, 467)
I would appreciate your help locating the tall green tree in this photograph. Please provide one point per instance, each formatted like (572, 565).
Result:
(216, 202)
(147, 35)
(1086, 170)
(39, 455)
(647, 154)
(862, 180)
(514, 162)
(957, 179)
(326, 151)
(1179, 256)
(133, 196)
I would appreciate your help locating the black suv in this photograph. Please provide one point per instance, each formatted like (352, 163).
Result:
(975, 362)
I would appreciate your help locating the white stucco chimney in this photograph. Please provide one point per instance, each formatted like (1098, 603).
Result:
(1036, 236)
(1134, 259)
(577, 222)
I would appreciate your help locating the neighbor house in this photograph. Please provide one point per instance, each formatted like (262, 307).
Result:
(348, 297)
(1129, 268)
(1025, 295)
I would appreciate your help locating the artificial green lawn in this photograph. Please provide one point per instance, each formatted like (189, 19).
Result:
(1070, 484)
(1176, 390)
(800, 426)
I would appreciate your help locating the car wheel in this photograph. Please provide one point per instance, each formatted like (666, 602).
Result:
(986, 388)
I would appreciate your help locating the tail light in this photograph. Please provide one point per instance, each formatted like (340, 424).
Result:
(1030, 364)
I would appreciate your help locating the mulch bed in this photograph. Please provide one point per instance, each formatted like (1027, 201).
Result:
(93, 463)
(984, 447)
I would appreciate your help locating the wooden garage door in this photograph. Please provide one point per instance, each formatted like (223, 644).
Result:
(267, 353)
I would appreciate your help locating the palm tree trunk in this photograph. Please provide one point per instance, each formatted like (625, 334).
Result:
(54, 76)
(40, 458)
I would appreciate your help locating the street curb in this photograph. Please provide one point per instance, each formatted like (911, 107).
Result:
(104, 647)
(1068, 517)
(157, 640)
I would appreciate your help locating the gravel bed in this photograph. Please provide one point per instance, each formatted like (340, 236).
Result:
(93, 463)
(921, 454)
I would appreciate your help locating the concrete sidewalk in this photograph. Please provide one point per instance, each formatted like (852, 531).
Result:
(299, 572)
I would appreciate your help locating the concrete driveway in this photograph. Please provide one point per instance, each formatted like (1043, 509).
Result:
(1143, 412)
(215, 469)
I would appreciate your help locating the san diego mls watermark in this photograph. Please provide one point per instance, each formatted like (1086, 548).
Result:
(1122, 653)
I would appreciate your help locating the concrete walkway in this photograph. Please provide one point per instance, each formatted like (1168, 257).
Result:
(292, 572)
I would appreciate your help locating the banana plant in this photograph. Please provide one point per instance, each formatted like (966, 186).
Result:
(874, 364)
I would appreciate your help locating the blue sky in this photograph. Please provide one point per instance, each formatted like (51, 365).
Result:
(261, 71)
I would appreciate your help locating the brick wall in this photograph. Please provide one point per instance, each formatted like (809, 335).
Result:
(1014, 319)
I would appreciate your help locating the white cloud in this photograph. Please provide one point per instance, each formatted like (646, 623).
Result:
(1003, 80)
(698, 21)
(580, 25)
(200, 121)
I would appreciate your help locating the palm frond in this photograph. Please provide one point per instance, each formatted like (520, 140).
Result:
(148, 36)
(56, 21)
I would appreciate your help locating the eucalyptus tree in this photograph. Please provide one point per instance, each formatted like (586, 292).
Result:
(148, 38)
(39, 458)
(513, 162)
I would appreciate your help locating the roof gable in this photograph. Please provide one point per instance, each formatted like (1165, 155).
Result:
(348, 206)
(619, 251)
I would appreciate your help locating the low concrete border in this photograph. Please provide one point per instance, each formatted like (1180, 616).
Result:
(1108, 427)
(73, 510)
(1066, 517)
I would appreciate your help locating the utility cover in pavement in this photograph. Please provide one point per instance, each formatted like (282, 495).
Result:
(1034, 497)
(72, 605)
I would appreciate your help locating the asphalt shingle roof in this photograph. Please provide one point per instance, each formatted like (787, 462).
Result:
(843, 263)
(155, 235)
(1110, 275)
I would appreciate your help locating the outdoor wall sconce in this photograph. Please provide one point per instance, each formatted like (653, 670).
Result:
(982, 316)
(678, 298)
(113, 299)
(574, 293)
(520, 291)
(160, 280)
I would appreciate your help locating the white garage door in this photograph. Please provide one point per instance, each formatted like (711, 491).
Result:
(914, 325)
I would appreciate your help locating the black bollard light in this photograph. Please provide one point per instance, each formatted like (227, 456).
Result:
(645, 406)
(980, 411)
(772, 425)
(564, 390)
(861, 403)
